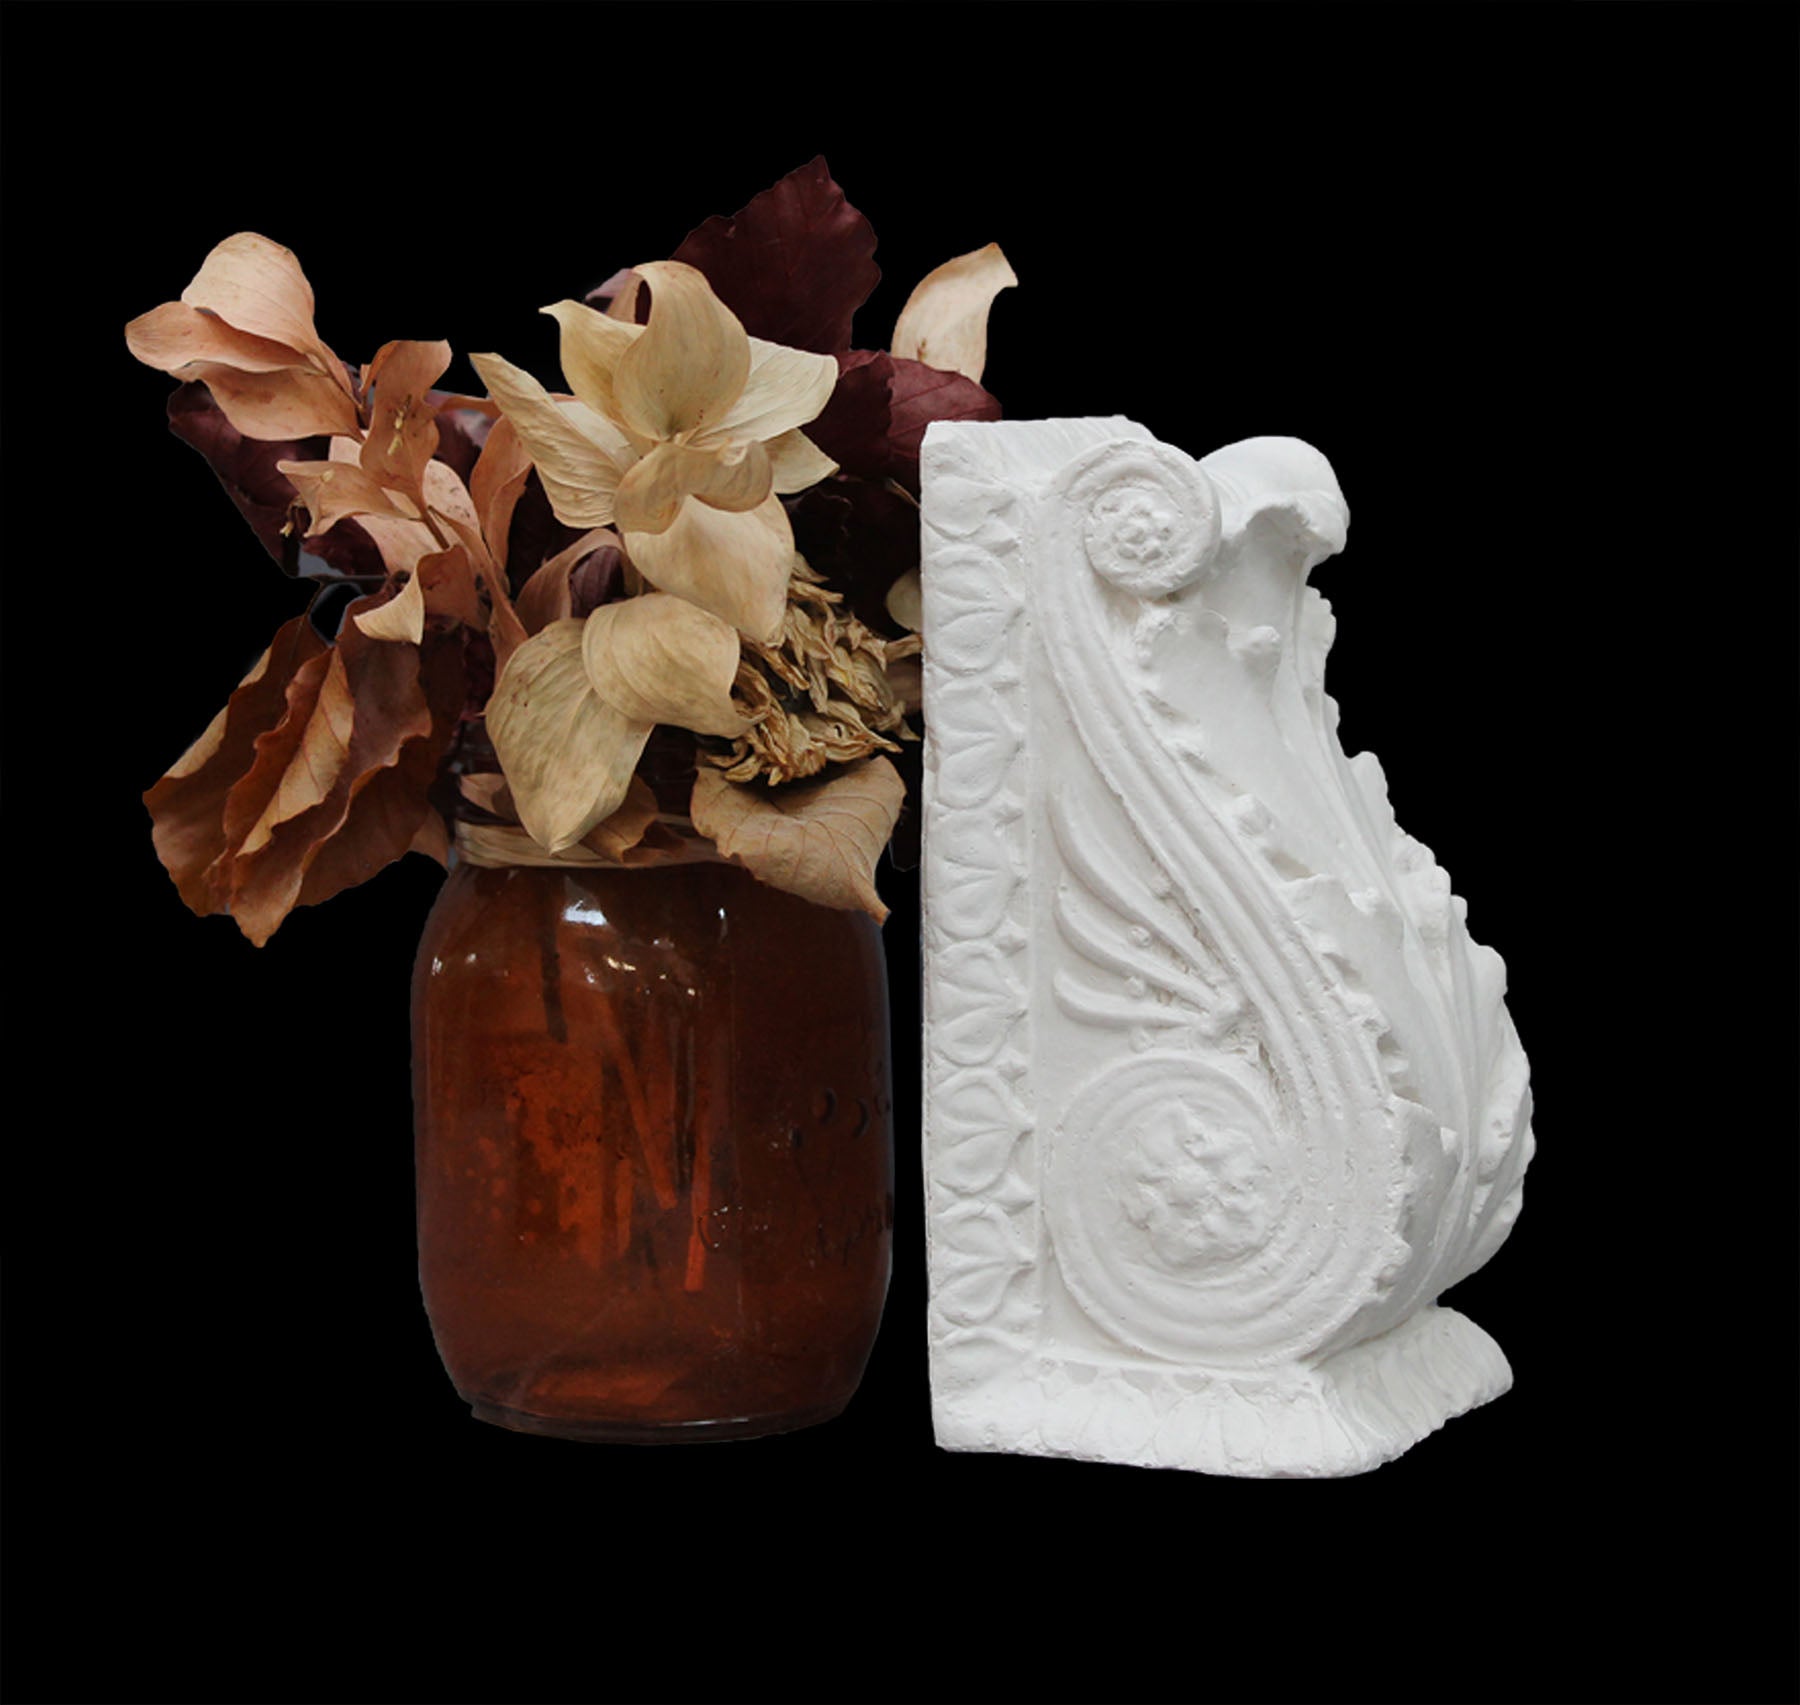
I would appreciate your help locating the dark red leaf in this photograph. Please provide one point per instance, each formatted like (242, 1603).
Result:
(862, 537)
(246, 467)
(597, 579)
(794, 265)
(461, 434)
(903, 845)
(535, 535)
(345, 552)
(877, 416)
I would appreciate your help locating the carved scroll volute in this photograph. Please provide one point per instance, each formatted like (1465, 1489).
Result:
(1224, 1199)
(1215, 1077)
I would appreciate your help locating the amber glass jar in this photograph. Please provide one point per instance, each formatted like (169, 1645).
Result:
(654, 1149)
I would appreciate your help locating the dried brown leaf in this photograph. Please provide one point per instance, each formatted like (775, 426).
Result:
(334, 489)
(292, 403)
(627, 826)
(820, 840)
(299, 760)
(187, 806)
(384, 811)
(171, 337)
(257, 286)
(403, 431)
(402, 617)
(392, 738)
(495, 485)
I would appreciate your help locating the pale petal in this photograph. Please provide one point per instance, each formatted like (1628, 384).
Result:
(689, 364)
(171, 336)
(735, 565)
(591, 346)
(401, 618)
(944, 322)
(797, 462)
(820, 840)
(785, 388)
(567, 754)
(624, 447)
(294, 403)
(904, 601)
(579, 475)
(662, 659)
(652, 491)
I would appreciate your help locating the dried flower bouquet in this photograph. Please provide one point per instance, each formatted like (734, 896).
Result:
(666, 611)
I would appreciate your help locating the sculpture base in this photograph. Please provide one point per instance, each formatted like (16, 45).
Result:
(1348, 1414)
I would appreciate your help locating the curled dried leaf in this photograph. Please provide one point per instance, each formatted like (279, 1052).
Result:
(661, 659)
(187, 806)
(567, 754)
(293, 403)
(258, 287)
(401, 618)
(820, 840)
(945, 320)
(175, 335)
(653, 490)
(497, 483)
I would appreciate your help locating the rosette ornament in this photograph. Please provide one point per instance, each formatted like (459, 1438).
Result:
(682, 433)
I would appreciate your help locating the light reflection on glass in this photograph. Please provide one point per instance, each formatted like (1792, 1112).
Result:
(584, 912)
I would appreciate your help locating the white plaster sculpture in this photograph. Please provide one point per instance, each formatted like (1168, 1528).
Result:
(1219, 1094)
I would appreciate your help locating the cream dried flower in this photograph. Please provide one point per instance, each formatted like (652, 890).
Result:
(682, 433)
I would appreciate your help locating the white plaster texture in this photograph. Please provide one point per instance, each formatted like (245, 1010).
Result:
(1219, 1094)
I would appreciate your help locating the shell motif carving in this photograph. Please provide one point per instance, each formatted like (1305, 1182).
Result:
(1218, 1088)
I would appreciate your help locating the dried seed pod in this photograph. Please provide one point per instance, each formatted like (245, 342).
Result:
(818, 695)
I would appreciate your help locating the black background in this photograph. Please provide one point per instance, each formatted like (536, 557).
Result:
(1527, 275)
